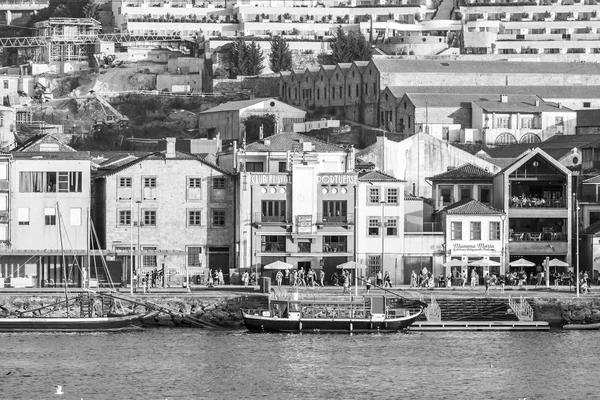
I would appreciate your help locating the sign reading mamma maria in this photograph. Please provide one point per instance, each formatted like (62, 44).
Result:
(474, 247)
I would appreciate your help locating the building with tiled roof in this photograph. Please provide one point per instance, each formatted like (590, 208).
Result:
(377, 176)
(180, 208)
(471, 207)
(228, 120)
(465, 182)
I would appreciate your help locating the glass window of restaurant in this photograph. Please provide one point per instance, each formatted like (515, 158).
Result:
(456, 230)
(476, 230)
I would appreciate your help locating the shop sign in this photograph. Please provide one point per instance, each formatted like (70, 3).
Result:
(270, 179)
(337, 179)
(474, 247)
(304, 224)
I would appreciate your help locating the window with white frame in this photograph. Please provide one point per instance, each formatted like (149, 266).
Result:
(50, 216)
(193, 256)
(373, 264)
(494, 230)
(194, 217)
(502, 122)
(124, 217)
(446, 195)
(75, 216)
(392, 196)
(194, 189)
(23, 216)
(456, 230)
(124, 188)
(3, 232)
(125, 182)
(149, 260)
(373, 195)
(373, 226)
(465, 192)
(149, 188)
(476, 230)
(391, 226)
(3, 171)
(149, 217)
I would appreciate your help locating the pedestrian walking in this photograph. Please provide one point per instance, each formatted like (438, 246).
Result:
(486, 280)
(368, 284)
(245, 278)
(322, 278)
(387, 280)
(379, 280)
(279, 278)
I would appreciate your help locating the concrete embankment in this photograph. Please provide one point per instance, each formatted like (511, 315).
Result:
(223, 310)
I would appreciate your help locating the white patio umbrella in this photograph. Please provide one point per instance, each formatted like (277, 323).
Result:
(485, 262)
(521, 262)
(278, 265)
(455, 263)
(356, 266)
(555, 262)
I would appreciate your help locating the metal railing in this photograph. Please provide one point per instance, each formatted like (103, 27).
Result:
(326, 219)
(522, 309)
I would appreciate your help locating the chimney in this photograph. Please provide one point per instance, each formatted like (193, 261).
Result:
(267, 141)
(503, 98)
(170, 147)
(537, 102)
(559, 105)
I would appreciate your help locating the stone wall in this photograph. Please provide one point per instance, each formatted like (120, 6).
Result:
(581, 311)
(259, 86)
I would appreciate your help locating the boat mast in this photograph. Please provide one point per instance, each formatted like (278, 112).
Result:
(64, 259)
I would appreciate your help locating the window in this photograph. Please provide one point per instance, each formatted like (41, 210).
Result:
(475, 230)
(49, 147)
(334, 211)
(3, 202)
(456, 230)
(465, 192)
(150, 217)
(558, 121)
(194, 182)
(373, 264)
(193, 256)
(50, 182)
(149, 261)
(391, 226)
(23, 216)
(124, 182)
(341, 92)
(194, 217)
(349, 91)
(218, 217)
(304, 246)
(485, 194)
(149, 182)
(527, 122)
(494, 230)
(373, 195)
(5, 83)
(392, 196)
(254, 167)
(75, 216)
(50, 216)
(272, 244)
(219, 182)
(446, 194)
(335, 244)
(587, 104)
(124, 217)
(357, 89)
(3, 171)
(282, 166)
(318, 94)
(194, 189)
(373, 226)
(273, 211)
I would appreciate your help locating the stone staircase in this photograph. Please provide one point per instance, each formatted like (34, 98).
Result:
(475, 309)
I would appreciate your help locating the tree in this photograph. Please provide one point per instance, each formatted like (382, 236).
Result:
(346, 48)
(253, 123)
(242, 58)
(280, 58)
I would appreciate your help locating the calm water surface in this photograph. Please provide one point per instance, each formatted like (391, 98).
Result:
(195, 364)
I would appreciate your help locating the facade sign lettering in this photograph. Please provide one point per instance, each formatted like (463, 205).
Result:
(304, 224)
(474, 247)
(337, 179)
(270, 179)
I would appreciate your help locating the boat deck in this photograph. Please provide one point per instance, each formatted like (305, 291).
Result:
(421, 326)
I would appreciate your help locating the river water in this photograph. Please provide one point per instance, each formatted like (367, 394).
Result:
(197, 364)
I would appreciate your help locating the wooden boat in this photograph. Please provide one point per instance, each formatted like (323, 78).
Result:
(77, 324)
(582, 327)
(358, 315)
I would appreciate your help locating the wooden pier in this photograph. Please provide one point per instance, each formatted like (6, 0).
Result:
(421, 326)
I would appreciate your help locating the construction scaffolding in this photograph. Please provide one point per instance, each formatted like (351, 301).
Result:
(69, 39)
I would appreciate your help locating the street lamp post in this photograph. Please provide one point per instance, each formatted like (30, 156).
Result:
(576, 243)
(382, 232)
(139, 223)
(502, 244)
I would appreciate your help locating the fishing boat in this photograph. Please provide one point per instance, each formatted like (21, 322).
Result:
(84, 312)
(582, 327)
(360, 314)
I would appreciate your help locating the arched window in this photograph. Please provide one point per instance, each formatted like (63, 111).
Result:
(530, 138)
(505, 138)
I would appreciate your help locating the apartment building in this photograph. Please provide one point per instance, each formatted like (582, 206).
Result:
(48, 201)
(167, 211)
(539, 27)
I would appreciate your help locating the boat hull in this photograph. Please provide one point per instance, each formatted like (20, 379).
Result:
(582, 327)
(259, 324)
(93, 324)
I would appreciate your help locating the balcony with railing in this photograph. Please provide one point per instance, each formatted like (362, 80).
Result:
(259, 218)
(335, 247)
(326, 219)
